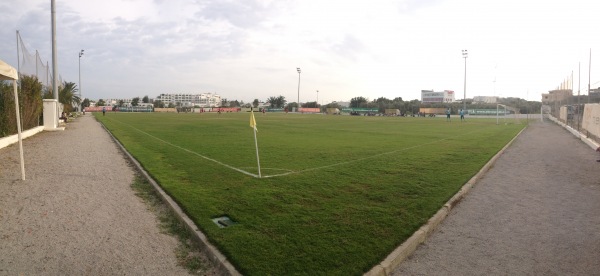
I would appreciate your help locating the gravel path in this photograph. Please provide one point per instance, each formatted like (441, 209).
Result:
(76, 213)
(536, 212)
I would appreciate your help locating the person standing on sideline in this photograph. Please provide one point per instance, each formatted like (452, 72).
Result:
(448, 114)
(462, 115)
(103, 110)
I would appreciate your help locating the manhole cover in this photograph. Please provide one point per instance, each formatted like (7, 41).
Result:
(223, 221)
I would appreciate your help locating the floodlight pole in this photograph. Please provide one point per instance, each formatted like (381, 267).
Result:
(80, 54)
(298, 69)
(465, 54)
(54, 54)
(317, 98)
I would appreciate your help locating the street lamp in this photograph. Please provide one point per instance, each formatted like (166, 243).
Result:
(80, 54)
(317, 98)
(298, 69)
(465, 54)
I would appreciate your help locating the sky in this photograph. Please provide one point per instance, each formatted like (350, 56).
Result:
(250, 49)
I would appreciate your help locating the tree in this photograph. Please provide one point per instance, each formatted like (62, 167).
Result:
(85, 102)
(358, 102)
(411, 107)
(382, 100)
(101, 102)
(135, 101)
(291, 106)
(277, 102)
(145, 99)
(255, 103)
(121, 103)
(30, 99)
(67, 96)
(333, 105)
(159, 104)
(310, 105)
(171, 105)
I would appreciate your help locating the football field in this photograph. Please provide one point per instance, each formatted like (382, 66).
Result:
(336, 194)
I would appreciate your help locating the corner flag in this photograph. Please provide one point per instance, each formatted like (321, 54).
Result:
(253, 125)
(252, 121)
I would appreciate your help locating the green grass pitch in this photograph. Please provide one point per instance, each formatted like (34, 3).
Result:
(338, 193)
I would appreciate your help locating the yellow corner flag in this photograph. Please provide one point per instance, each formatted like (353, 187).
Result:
(253, 125)
(252, 121)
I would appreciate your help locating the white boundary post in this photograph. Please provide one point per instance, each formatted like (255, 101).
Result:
(19, 130)
(7, 72)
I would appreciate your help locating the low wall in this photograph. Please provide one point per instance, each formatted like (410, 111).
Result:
(432, 110)
(590, 125)
(7, 141)
(563, 114)
(165, 110)
(392, 111)
(309, 110)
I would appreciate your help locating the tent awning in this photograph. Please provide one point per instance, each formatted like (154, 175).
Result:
(7, 72)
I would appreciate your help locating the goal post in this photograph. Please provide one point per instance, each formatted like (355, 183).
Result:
(507, 110)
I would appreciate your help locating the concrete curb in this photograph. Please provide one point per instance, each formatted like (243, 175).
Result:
(394, 259)
(9, 140)
(219, 260)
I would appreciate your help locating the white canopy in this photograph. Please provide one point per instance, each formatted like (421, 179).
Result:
(7, 72)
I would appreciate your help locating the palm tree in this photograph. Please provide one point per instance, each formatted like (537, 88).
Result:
(68, 97)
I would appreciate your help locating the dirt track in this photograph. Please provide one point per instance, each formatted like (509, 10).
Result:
(76, 213)
(534, 213)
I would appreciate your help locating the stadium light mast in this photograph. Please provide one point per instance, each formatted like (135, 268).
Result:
(80, 54)
(317, 98)
(54, 53)
(298, 69)
(465, 54)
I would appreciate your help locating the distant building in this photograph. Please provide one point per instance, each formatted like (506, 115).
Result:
(556, 96)
(430, 96)
(485, 99)
(113, 102)
(342, 104)
(202, 100)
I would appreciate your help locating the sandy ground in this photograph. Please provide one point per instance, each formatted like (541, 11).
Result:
(536, 212)
(76, 213)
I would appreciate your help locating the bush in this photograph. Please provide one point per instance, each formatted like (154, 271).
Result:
(30, 104)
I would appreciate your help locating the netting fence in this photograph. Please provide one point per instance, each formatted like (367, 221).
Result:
(570, 109)
(35, 80)
(32, 65)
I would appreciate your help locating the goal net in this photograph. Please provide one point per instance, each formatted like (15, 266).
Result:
(507, 114)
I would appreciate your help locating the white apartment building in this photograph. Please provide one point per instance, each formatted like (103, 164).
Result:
(430, 96)
(113, 102)
(202, 100)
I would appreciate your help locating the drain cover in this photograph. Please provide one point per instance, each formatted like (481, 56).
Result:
(223, 221)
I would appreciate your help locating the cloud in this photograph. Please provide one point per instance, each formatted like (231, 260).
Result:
(250, 49)
(242, 14)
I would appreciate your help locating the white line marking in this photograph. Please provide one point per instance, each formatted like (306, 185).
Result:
(291, 171)
(192, 152)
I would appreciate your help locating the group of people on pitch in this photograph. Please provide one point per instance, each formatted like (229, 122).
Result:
(460, 112)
